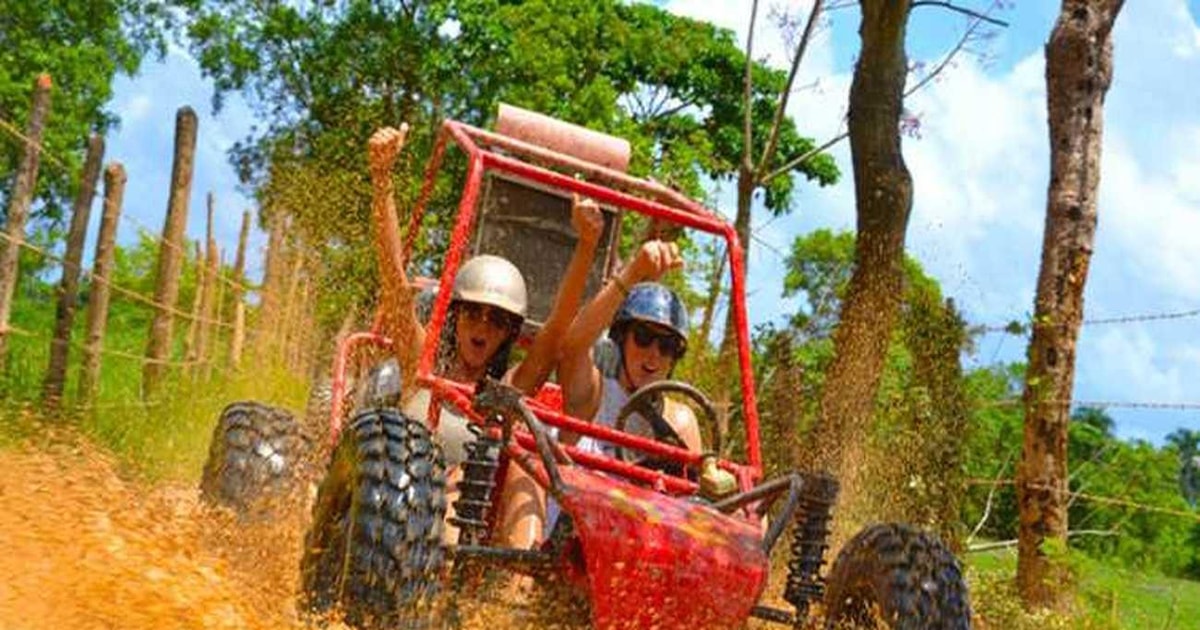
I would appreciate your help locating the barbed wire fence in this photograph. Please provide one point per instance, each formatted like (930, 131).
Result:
(219, 342)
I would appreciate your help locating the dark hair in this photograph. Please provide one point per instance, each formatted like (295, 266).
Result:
(496, 366)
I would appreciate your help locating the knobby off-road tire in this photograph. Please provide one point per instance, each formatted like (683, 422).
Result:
(898, 577)
(374, 548)
(258, 455)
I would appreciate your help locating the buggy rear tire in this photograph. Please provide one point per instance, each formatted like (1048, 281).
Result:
(257, 453)
(898, 577)
(374, 548)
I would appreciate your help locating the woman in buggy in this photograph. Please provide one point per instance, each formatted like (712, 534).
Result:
(489, 304)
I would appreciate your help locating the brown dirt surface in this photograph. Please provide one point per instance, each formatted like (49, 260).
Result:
(85, 548)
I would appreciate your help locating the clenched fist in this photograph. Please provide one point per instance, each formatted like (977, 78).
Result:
(654, 259)
(383, 147)
(587, 219)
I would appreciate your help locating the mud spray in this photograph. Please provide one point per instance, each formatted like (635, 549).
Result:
(82, 546)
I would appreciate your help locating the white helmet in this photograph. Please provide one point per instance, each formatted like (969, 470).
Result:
(494, 281)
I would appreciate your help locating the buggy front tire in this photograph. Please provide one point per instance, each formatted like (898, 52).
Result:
(374, 549)
(897, 577)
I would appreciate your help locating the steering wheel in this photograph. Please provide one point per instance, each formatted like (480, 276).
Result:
(648, 403)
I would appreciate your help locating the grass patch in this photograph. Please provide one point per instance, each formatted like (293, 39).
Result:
(163, 439)
(1106, 596)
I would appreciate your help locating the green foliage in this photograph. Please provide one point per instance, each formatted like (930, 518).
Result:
(166, 439)
(1108, 596)
(82, 44)
(1113, 477)
(324, 76)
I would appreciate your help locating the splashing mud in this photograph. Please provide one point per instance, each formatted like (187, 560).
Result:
(84, 548)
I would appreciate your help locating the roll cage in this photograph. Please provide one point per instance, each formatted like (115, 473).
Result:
(488, 151)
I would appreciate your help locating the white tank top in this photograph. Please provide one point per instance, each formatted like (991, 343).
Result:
(612, 398)
(452, 431)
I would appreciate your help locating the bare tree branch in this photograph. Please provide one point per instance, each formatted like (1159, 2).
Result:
(804, 157)
(676, 109)
(746, 139)
(987, 509)
(1004, 544)
(964, 10)
(777, 123)
(958, 47)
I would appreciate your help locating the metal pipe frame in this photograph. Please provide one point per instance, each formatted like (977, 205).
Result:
(656, 201)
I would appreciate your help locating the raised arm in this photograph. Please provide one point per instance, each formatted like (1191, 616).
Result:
(533, 371)
(577, 370)
(397, 308)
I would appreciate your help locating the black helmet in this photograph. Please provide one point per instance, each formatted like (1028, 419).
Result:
(654, 303)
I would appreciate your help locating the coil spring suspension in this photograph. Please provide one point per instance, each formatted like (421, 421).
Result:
(477, 485)
(810, 540)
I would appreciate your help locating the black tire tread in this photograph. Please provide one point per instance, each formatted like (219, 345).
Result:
(374, 547)
(257, 452)
(898, 575)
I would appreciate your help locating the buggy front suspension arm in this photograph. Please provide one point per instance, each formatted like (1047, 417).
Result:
(817, 489)
(494, 397)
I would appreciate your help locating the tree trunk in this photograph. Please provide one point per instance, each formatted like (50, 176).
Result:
(97, 308)
(68, 285)
(170, 253)
(214, 344)
(18, 207)
(1078, 73)
(883, 202)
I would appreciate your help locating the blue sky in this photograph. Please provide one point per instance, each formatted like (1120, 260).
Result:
(979, 168)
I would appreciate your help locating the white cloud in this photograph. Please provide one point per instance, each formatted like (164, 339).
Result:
(135, 109)
(1148, 221)
(980, 173)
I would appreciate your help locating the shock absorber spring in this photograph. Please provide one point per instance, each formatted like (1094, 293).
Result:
(478, 484)
(810, 540)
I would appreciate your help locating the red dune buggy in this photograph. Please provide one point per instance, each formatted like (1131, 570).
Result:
(635, 547)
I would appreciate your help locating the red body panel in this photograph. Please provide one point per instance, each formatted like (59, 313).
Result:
(656, 561)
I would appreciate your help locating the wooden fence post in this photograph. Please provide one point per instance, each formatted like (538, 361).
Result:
(97, 307)
(18, 204)
(68, 286)
(239, 295)
(214, 343)
(269, 320)
(189, 338)
(290, 327)
(207, 295)
(170, 254)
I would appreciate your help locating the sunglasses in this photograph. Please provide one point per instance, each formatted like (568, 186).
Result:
(669, 343)
(496, 318)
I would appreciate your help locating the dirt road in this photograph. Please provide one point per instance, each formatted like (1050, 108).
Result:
(84, 548)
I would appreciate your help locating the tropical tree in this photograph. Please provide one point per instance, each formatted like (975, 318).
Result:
(82, 45)
(1079, 71)
(1187, 442)
(322, 76)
